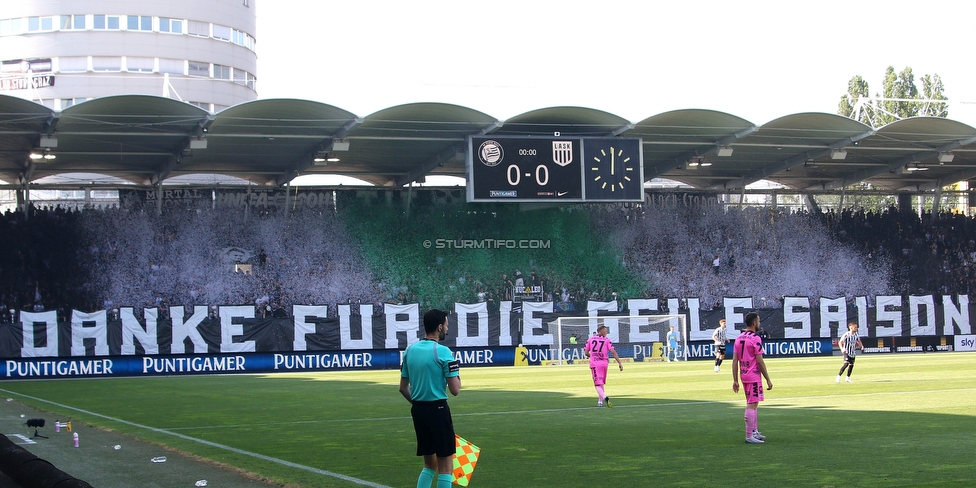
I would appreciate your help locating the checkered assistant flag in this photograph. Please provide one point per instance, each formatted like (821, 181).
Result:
(465, 459)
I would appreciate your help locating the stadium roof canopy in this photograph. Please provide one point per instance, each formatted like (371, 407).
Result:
(146, 139)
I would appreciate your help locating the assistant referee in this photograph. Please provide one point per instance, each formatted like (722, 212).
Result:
(427, 372)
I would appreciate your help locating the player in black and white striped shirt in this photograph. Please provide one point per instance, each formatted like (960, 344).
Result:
(719, 338)
(849, 343)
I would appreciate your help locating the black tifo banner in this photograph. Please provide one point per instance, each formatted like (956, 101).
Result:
(359, 328)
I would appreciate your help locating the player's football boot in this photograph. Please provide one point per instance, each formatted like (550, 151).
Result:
(758, 435)
(607, 401)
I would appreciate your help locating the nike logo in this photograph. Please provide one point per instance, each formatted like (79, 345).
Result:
(561, 193)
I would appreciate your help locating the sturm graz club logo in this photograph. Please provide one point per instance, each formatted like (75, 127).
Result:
(491, 153)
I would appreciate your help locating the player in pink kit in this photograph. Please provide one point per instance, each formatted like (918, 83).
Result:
(747, 361)
(599, 348)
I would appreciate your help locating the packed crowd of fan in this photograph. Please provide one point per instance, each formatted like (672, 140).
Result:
(104, 259)
(758, 252)
(183, 257)
(930, 254)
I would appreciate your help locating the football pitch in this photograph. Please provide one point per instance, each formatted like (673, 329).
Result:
(906, 420)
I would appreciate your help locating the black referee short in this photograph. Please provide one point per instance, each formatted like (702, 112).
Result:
(434, 427)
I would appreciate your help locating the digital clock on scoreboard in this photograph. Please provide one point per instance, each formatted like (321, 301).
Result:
(554, 169)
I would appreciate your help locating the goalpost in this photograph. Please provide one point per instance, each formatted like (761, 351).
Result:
(638, 337)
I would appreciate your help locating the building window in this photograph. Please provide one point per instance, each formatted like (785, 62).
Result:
(170, 25)
(203, 105)
(242, 39)
(240, 76)
(221, 32)
(9, 27)
(197, 68)
(251, 80)
(67, 102)
(16, 66)
(107, 22)
(38, 24)
(172, 66)
(69, 64)
(72, 22)
(195, 28)
(139, 65)
(139, 23)
(221, 72)
(106, 63)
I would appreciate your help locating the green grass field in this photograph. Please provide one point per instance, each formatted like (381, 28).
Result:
(907, 420)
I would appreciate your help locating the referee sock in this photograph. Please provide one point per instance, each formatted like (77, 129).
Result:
(444, 480)
(425, 479)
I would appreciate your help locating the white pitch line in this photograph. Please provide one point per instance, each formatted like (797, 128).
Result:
(570, 409)
(211, 444)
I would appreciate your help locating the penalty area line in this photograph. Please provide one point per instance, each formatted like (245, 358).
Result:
(209, 443)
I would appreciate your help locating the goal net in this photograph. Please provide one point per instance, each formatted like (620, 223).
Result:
(638, 337)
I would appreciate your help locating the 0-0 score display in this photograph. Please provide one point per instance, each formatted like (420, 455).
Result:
(553, 169)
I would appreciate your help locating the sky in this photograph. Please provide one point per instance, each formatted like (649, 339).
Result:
(759, 60)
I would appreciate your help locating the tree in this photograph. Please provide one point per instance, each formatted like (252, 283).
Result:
(857, 90)
(932, 91)
(900, 99)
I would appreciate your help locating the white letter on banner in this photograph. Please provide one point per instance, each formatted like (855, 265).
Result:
(592, 308)
(915, 303)
(956, 318)
(694, 317)
(734, 321)
(462, 310)
(674, 308)
(883, 314)
(861, 303)
(182, 330)
(132, 330)
(505, 323)
(635, 306)
(412, 325)
(50, 321)
(303, 328)
(696, 330)
(229, 330)
(79, 332)
(790, 315)
(833, 311)
(530, 324)
(345, 327)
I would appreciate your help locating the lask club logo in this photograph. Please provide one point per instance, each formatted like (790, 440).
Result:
(562, 152)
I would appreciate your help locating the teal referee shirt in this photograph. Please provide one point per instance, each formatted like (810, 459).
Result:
(427, 365)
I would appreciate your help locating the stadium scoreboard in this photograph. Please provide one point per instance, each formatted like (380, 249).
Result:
(555, 169)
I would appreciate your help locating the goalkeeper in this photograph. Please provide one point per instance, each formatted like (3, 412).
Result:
(672, 340)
